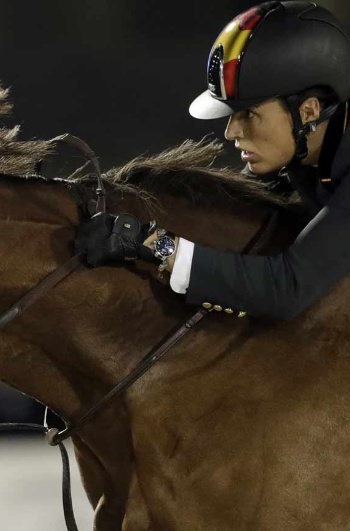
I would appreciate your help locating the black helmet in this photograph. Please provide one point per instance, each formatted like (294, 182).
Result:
(275, 49)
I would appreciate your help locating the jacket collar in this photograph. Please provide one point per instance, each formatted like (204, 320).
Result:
(336, 131)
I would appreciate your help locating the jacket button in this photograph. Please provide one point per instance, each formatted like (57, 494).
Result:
(242, 314)
(228, 310)
(217, 307)
(207, 305)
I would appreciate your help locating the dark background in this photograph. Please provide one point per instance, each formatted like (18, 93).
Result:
(120, 74)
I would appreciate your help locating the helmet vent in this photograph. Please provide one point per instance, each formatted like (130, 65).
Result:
(215, 69)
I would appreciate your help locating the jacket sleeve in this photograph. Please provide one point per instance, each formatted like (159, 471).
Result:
(285, 284)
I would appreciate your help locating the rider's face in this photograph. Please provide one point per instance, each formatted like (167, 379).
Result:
(266, 132)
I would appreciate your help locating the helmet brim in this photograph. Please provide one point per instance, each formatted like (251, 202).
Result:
(206, 107)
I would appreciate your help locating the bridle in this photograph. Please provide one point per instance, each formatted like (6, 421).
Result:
(54, 436)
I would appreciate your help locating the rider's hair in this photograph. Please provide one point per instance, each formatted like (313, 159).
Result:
(325, 95)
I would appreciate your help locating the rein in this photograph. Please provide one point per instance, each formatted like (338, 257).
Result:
(65, 269)
(54, 436)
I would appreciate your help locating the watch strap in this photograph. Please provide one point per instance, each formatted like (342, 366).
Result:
(163, 232)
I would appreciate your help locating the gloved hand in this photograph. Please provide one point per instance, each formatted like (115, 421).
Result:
(107, 239)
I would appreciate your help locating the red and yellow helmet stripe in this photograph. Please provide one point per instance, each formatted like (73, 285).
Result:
(233, 40)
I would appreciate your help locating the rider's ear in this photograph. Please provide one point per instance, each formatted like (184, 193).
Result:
(310, 110)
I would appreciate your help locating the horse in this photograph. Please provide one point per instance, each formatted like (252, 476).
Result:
(244, 423)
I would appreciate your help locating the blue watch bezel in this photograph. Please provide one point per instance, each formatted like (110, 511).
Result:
(161, 246)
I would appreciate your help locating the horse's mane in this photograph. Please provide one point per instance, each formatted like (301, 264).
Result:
(187, 170)
(18, 157)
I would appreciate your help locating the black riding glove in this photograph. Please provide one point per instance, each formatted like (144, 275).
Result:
(107, 239)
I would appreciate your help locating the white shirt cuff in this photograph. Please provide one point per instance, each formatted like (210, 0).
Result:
(180, 276)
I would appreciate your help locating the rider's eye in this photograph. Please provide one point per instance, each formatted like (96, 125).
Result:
(250, 113)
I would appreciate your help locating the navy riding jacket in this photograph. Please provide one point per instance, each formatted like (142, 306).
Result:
(285, 284)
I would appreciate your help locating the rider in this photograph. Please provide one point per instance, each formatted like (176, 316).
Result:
(281, 73)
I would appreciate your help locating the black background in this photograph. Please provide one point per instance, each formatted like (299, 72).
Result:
(119, 74)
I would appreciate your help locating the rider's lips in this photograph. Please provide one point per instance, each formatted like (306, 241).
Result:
(248, 156)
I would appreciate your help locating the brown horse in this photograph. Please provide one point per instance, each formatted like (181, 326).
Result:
(244, 424)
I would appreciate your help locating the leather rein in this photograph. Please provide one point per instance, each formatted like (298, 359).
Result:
(54, 436)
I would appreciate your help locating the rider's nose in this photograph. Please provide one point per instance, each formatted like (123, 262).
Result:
(233, 129)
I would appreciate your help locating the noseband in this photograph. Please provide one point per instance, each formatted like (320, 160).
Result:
(53, 435)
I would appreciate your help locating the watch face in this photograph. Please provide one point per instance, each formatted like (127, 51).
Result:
(165, 246)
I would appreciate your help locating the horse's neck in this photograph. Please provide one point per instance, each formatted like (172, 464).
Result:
(36, 200)
(230, 225)
(93, 326)
(37, 223)
(75, 343)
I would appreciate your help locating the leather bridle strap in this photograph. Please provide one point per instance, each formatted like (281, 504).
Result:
(66, 483)
(54, 436)
(65, 269)
(42, 287)
(91, 156)
(262, 236)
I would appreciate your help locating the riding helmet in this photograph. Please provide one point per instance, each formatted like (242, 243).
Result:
(275, 49)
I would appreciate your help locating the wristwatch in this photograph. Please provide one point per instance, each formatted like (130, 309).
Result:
(164, 247)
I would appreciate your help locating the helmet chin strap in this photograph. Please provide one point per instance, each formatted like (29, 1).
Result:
(295, 171)
(300, 130)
